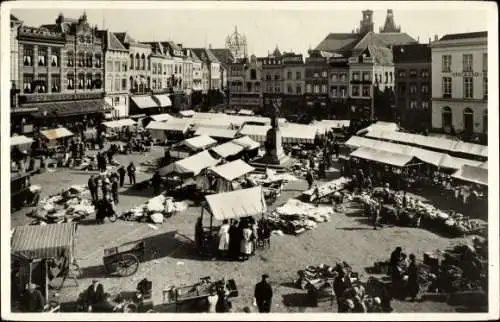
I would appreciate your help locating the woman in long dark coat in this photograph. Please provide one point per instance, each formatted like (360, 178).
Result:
(234, 240)
(413, 286)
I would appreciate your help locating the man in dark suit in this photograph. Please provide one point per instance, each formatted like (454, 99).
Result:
(95, 296)
(34, 300)
(263, 295)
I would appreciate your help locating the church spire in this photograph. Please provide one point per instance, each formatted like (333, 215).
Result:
(390, 25)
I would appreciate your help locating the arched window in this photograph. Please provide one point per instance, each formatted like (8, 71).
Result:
(88, 81)
(137, 61)
(131, 62)
(468, 120)
(143, 62)
(148, 84)
(98, 81)
(81, 59)
(132, 83)
(485, 121)
(70, 59)
(71, 81)
(447, 117)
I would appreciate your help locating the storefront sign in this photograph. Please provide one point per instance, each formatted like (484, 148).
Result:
(467, 74)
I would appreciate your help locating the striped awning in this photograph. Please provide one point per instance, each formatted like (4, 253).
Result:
(144, 101)
(41, 242)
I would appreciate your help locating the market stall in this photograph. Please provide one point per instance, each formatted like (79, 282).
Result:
(227, 173)
(187, 113)
(327, 189)
(220, 134)
(251, 147)
(56, 137)
(158, 130)
(21, 142)
(467, 173)
(229, 151)
(190, 146)
(120, 128)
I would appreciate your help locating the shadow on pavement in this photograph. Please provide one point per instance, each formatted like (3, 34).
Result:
(355, 228)
(296, 300)
(289, 285)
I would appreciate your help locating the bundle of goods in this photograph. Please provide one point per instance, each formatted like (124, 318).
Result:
(149, 166)
(155, 210)
(295, 217)
(328, 188)
(271, 176)
(72, 204)
(89, 163)
(317, 274)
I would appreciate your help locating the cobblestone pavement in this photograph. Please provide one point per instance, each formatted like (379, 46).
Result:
(348, 237)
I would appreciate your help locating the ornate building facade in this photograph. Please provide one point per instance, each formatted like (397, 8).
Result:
(237, 44)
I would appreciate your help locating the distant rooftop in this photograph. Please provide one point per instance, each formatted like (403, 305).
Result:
(468, 35)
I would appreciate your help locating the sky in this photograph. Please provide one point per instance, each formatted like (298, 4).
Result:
(292, 26)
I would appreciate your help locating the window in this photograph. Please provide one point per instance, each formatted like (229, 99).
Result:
(277, 89)
(308, 88)
(154, 69)
(81, 58)
(343, 77)
(98, 62)
(124, 84)
(71, 81)
(54, 59)
(366, 91)
(402, 88)
(485, 87)
(268, 77)
(446, 63)
(117, 66)
(164, 69)
(89, 83)
(160, 84)
(154, 83)
(27, 83)
(109, 66)
(324, 73)
(366, 76)
(28, 56)
(276, 77)
(137, 62)
(334, 91)
(324, 89)
(299, 89)
(424, 88)
(413, 88)
(334, 77)
(249, 87)
(159, 69)
(446, 87)
(88, 60)
(485, 62)
(289, 89)
(316, 89)
(70, 61)
(143, 62)
(485, 121)
(41, 83)
(413, 73)
(298, 75)
(55, 86)
(175, 69)
(468, 87)
(355, 91)
(81, 81)
(446, 115)
(42, 56)
(467, 62)
(401, 73)
(253, 74)
(386, 77)
(289, 75)
(355, 76)
(425, 105)
(343, 91)
(116, 101)
(131, 61)
(413, 104)
(124, 66)
(424, 73)
(390, 78)
(316, 74)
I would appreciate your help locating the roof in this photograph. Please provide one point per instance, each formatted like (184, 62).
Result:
(370, 38)
(124, 38)
(328, 124)
(232, 170)
(63, 108)
(381, 156)
(20, 140)
(111, 42)
(472, 174)
(58, 133)
(175, 125)
(411, 53)
(227, 149)
(339, 42)
(380, 126)
(13, 18)
(468, 35)
(144, 102)
(216, 132)
(471, 148)
(396, 38)
(237, 204)
(382, 55)
(247, 143)
(192, 165)
(255, 132)
(195, 57)
(224, 55)
(120, 123)
(199, 142)
(205, 55)
(221, 123)
(156, 125)
(246, 112)
(162, 117)
(41, 242)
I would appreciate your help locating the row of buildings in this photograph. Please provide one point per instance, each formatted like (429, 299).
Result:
(441, 84)
(70, 70)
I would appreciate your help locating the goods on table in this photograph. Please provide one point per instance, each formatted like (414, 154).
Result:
(328, 188)
(295, 217)
(155, 209)
(70, 205)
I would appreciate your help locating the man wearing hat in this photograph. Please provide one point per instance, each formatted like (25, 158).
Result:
(34, 300)
(95, 295)
(263, 295)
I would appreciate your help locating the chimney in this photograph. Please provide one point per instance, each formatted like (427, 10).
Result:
(435, 37)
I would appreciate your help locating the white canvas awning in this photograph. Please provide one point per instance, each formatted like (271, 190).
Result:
(58, 133)
(144, 101)
(163, 100)
(255, 132)
(385, 157)
(120, 123)
(154, 125)
(237, 204)
(220, 123)
(227, 149)
(232, 170)
(471, 148)
(472, 174)
(246, 112)
(161, 117)
(20, 140)
(191, 165)
(247, 143)
(187, 113)
(216, 132)
(199, 142)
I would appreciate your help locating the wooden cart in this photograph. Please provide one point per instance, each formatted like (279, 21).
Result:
(124, 260)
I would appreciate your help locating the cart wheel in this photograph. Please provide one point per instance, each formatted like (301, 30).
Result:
(127, 264)
(112, 218)
(130, 308)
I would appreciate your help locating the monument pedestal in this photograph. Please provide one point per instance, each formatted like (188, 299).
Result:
(275, 158)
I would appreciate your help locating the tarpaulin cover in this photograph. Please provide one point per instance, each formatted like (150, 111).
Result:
(386, 157)
(199, 142)
(164, 100)
(176, 125)
(156, 125)
(380, 126)
(227, 149)
(471, 148)
(20, 140)
(120, 123)
(233, 170)
(247, 143)
(472, 174)
(58, 133)
(246, 112)
(298, 133)
(238, 203)
(192, 165)
(216, 132)
(255, 132)
(144, 101)
(162, 117)
(41, 242)
(187, 113)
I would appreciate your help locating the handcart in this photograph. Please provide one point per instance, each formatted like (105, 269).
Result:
(272, 190)
(124, 260)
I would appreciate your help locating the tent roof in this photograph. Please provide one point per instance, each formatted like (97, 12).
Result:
(233, 170)
(19, 140)
(472, 174)
(237, 204)
(120, 123)
(199, 142)
(221, 123)
(386, 157)
(41, 242)
(58, 133)
(193, 164)
(381, 126)
(246, 112)
(227, 149)
(187, 113)
(471, 148)
(247, 143)
(255, 132)
(216, 132)
(162, 117)
(156, 125)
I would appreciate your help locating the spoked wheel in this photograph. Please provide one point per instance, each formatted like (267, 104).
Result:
(112, 218)
(126, 265)
(130, 308)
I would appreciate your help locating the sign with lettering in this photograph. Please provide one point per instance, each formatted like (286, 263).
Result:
(466, 74)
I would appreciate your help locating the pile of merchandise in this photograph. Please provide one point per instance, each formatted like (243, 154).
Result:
(89, 163)
(70, 205)
(295, 217)
(154, 210)
(316, 274)
(328, 188)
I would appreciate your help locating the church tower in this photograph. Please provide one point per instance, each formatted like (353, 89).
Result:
(389, 25)
(366, 25)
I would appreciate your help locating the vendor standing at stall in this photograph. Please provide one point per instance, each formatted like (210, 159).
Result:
(246, 243)
(413, 285)
(234, 240)
(114, 189)
(156, 182)
(92, 185)
(224, 238)
(33, 299)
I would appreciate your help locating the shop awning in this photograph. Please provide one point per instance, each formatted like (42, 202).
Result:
(298, 133)
(380, 156)
(456, 163)
(143, 102)
(163, 100)
(191, 165)
(233, 170)
(246, 112)
(199, 142)
(227, 149)
(154, 125)
(247, 143)
(255, 132)
(68, 108)
(472, 174)
(162, 117)
(42, 242)
(216, 132)
(219, 123)
(119, 123)
(379, 127)
(20, 140)
(187, 113)
(471, 148)
(237, 204)
(175, 125)
(58, 133)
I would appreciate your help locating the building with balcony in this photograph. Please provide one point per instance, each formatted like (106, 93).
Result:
(338, 86)
(460, 83)
(60, 72)
(316, 84)
(412, 74)
(293, 75)
(245, 84)
(272, 79)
